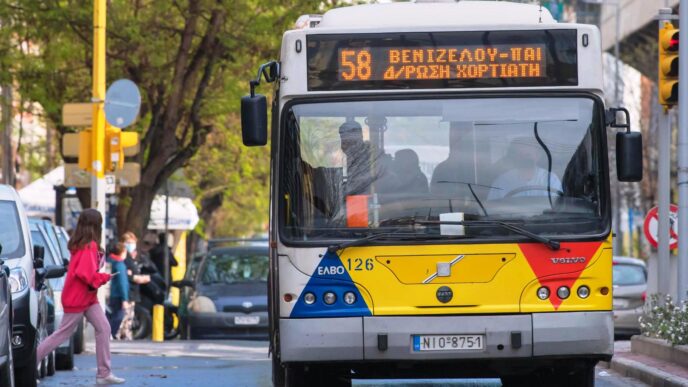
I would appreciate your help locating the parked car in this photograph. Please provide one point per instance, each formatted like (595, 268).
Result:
(229, 294)
(6, 360)
(27, 284)
(43, 234)
(630, 286)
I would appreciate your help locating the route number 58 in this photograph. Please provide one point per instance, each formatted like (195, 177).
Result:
(354, 65)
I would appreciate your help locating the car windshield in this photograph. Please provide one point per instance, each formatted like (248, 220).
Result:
(10, 231)
(627, 275)
(48, 258)
(352, 168)
(234, 268)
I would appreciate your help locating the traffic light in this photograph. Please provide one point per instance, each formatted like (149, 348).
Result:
(116, 143)
(668, 65)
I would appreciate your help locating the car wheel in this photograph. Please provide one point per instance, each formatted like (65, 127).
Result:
(51, 364)
(7, 371)
(27, 376)
(65, 361)
(79, 338)
(142, 323)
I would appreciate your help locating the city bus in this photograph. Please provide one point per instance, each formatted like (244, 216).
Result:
(440, 201)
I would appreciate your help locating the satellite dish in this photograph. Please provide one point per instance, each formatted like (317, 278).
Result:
(122, 103)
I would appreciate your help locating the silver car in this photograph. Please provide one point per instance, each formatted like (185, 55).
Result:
(629, 277)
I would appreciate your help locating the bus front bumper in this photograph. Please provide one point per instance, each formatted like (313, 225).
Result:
(561, 334)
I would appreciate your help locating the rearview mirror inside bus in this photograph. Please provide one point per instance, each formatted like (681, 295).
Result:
(629, 156)
(254, 120)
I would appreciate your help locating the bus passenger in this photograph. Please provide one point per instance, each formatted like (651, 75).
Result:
(410, 178)
(452, 176)
(526, 178)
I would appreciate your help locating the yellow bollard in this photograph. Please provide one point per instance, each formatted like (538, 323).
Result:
(158, 323)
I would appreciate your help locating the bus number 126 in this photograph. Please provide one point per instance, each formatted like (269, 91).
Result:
(359, 264)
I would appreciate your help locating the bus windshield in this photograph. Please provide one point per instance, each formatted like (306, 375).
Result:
(351, 169)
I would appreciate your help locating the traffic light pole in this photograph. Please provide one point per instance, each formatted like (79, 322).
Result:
(98, 130)
(683, 154)
(663, 187)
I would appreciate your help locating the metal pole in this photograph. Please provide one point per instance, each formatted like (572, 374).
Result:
(616, 210)
(663, 198)
(98, 130)
(8, 159)
(166, 256)
(683, 153)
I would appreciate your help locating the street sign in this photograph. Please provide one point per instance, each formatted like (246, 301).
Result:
(651, 225)
(129, 176)
(77, 114)
(122, 103)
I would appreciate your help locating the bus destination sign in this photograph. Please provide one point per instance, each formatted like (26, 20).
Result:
(502, 59)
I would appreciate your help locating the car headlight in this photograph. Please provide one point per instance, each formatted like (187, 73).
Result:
(202, 304)
(18, 280)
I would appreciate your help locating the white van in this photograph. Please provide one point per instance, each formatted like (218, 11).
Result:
(27, 275)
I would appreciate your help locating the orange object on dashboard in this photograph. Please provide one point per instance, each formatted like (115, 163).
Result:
(357, 211)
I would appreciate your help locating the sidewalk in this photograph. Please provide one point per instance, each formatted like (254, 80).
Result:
(648, 369)
(225, 349)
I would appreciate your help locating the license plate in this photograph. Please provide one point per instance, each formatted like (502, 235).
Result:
(448, 342)
(246, 320)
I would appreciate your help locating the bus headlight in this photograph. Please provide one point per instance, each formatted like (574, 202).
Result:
(18, 280)
(563, 292)
(583, 291)
(349, 298)
(543, 293)
(329, 298)
(309, 298)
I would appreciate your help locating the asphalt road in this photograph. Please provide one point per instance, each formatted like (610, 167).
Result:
(230, 363)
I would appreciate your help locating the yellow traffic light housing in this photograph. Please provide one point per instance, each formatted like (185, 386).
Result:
(116, 143)
(668, 65)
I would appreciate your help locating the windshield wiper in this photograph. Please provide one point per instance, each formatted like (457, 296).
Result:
(332, 249)
(552, 244)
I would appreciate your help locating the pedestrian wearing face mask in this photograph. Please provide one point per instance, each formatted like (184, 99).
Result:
(136, 279)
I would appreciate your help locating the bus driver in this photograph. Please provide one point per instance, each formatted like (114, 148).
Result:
(526, 178)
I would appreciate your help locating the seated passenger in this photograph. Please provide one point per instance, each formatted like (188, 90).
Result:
(452, 176)
(526, 178)
(406, 167)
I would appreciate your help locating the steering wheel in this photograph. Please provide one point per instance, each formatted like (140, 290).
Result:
(527, 188)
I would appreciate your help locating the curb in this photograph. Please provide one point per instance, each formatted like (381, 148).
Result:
(644, 373)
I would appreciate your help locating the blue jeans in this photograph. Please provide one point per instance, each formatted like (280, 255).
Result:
(116, 315)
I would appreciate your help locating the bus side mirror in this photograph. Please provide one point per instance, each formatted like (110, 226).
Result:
(254, 107)
(254, 119)
(629, 147)
(629, 156)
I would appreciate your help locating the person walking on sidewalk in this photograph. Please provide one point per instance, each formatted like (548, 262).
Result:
(119, 288)
(79, 297)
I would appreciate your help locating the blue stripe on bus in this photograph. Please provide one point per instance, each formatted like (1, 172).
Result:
(330, 276)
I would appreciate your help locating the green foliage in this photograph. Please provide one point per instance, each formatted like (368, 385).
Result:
(191, 59)
(663, 319)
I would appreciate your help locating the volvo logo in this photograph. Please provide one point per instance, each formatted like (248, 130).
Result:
(444, 294)
(570, 260)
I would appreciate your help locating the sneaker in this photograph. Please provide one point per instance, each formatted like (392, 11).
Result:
(110, 379)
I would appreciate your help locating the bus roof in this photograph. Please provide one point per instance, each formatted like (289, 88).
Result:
(463, 13)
